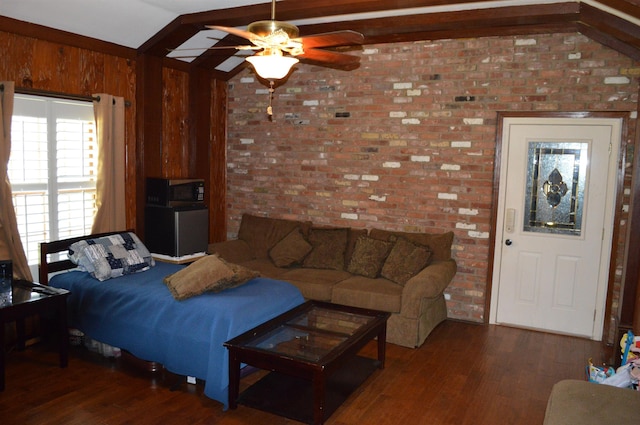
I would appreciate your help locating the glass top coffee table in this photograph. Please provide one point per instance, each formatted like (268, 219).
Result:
(311, 352)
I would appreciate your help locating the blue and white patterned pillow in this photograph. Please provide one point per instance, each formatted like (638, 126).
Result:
(111, 256)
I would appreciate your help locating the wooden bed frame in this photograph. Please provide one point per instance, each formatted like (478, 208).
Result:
(45, 266)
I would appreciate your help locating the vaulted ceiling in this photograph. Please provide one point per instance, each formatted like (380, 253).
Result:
(615, 23)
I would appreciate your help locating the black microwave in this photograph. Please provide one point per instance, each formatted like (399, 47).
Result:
(175, 192)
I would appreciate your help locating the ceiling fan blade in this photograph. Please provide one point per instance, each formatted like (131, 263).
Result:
(185, 57)
(200, 49)
(329, 39)
(328, 57)
(235, 31)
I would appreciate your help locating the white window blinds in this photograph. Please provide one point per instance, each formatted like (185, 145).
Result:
(52, 169)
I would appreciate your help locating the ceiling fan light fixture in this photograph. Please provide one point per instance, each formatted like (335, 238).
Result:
(272, 65)
(266, 28)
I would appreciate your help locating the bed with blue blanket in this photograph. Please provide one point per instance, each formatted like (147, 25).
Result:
(138, 313)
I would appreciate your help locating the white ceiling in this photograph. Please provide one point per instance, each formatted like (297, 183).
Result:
(125, 22)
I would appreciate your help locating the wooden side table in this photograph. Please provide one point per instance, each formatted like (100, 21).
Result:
(29, 299)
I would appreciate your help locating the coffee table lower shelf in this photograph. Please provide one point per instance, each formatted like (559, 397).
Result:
(292, 397)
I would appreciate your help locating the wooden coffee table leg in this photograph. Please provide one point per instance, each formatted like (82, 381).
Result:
(234, 379)
(382, 346)
(319, 391)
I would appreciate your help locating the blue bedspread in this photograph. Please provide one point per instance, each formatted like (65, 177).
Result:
(137, 313)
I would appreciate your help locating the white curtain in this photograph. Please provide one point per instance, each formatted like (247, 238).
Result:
(110, 184)
(10, 243)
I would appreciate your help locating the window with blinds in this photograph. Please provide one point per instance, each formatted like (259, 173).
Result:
(52, 169)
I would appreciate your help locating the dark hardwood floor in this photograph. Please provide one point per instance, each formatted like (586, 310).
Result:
(463, 374)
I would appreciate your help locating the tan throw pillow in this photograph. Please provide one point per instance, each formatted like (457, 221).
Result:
(210, 273)
(368, 256)
(405, 261)
(262, 233)
(290, 250)
(438, 243)
(352, 238)
(329, 246)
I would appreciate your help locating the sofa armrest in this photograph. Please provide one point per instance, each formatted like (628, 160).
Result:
(234, 251)
(585, 403)
(429, 283)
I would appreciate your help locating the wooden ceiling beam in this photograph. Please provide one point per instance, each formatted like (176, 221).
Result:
(631, 8)
(474, 33)
(609, 41)
(457, 24)
(610, 30)
(169, 37)
(616, 33)
(292, 10)
(611, 25)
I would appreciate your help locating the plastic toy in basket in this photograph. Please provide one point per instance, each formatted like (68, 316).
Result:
(630, 347)
(598, 374)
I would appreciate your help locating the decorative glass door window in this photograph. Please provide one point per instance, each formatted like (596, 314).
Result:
(555, 189)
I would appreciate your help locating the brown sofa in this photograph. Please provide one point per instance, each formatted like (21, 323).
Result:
(575, 402)
(402, 273)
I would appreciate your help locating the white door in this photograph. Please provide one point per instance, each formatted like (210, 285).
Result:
(555, 223)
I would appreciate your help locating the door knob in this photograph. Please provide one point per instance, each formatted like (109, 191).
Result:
(508, 242)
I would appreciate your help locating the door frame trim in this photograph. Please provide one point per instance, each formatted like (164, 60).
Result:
(501, 115)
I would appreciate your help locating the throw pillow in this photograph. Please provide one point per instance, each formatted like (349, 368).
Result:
(263, 233)
(405, 261)
(438, 243)
(368, 256)
(329, 246)
(111, 256)
(290, 250)
(210, 273)
(352, 238)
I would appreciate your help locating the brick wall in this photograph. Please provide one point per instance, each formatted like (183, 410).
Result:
(407, 141)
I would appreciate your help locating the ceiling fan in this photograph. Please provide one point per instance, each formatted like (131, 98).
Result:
(279, 47)
(276, 39)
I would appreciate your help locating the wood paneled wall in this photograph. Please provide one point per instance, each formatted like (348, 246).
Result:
(54, 67)
(175, 150)
(174, 124)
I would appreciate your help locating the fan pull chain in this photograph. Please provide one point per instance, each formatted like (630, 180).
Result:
(271, 91)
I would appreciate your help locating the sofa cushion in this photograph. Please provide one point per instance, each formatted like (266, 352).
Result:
(316, 284)
(262, 233)
(369, 256)
(234, 250)
(290, 250)
(377, 294)
(329, 246)
(210, 273)
(265, 267)
(405, 261)
(439, 244)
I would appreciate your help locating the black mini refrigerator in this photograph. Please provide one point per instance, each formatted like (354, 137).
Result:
(176, 231)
